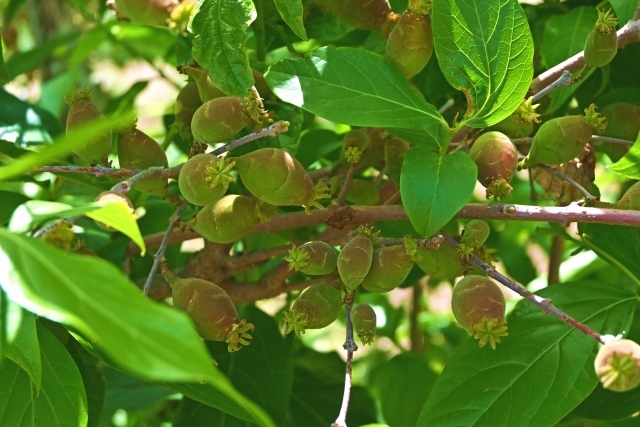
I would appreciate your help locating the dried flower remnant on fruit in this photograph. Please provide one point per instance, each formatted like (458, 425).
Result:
(475, 233)
(363, 318)
(315, 258)
(601, 45)
(354, 144)
(478, 306)
(317, 307)
(211, 309)
(204, 179)
(520, 123)
(497, 160)
(83, 111)
(355, 258)
(231, 218)
(617, 365)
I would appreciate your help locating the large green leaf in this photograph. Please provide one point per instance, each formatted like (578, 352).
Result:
(96, 299)
(435, 187)
(4, 74)
(118, 215)
(539, 373)
(404, 375)
(61, 400)
(616, 244)
(92, 372)
(624, 9)
(358, 88)
(629, 165)
(11, 315)
(25, 350)
(23, 122)
(262, 371)
(291, 12)
(23, 62)
(219, 43)
(484, 48)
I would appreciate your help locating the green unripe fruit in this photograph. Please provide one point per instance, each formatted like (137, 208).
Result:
(187, 103)
(204, 179)
(560, 140)
(315, 258)
(374, 154)
(211, 310)
(146, 12)
(624, 123)
(474, 235)
(276, 177)
(630, 200)
(137, 150)
(82, 111)
(478, 306)
(390, 266)
(410, 43)
(363, 192)
(207, 90)
(497, 160)
(317, 307)
(441, 263)
(230, 218)
(602, 42)
(354, 261)
(363, 319)
(519, 124)
(219, 120)
(59, 234)
(362, 14)
(617, 365)
(354, 144)
(394, 151)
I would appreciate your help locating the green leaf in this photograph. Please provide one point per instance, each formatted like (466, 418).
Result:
(616, 244)
(61, 400)
(96, 299)
(358, 88)
(23, 123)
(624, 9)
(572, 28)
(25, 350)
(118, 215)
(539, 373)
(404, 375)
(92, 372)
(629, 165)
(4, 74)
(10, 319)
(291, 12)
(435, 187)
(262, 371)
(61, 147)
(23, 62)
(485, 49)
(10, 201)
(219, 43)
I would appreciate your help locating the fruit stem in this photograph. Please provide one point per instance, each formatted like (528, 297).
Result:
(563, 80)
(590, 197)
(345, 187)
(158, 258)
(543, 303)
(350, 346)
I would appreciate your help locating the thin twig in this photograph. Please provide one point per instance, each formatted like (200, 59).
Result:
(393, 199)
(629, 33)
(564, 177)
(273, 130)
(450, 103)
(345, 187)
(545, 305)
(93, 170)
(563, 80)
(159, 256)
(350, 346)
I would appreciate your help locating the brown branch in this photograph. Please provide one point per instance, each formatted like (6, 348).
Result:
(629, 33)
(356, 215)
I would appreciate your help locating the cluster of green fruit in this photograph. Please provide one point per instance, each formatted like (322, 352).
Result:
(160, 13)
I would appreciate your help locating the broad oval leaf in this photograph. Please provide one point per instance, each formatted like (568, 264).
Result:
(291, 12)
(629, 164)
(95, 298)
(485, 49)
(25, 350)
(219, 43)
(358, 88)
(61, 400)
(435, 187)
(539, 373)
(118, 215)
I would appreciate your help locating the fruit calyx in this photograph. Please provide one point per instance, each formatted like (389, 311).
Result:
(606, 22)
(76, 96)
(617, 365)
(420, 7)
(474, 235)
(499, 189)
(298, 258)
(295, 321)
(411, 248)
(595, 119)
(219, 172)
(363, 318)
(320, 191)
(239, 334)
(489, 330)
(527, 111)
